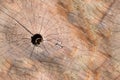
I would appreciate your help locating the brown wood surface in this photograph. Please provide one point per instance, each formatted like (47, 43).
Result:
(81, 40)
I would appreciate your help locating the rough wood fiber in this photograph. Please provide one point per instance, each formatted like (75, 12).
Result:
(81, 40)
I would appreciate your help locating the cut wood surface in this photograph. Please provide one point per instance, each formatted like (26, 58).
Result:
(80, 40)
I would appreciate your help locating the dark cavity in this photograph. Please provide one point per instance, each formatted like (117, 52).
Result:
(36, 39)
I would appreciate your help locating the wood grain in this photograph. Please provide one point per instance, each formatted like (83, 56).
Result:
(81, 39)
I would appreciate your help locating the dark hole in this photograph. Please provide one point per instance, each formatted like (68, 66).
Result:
(36, 39)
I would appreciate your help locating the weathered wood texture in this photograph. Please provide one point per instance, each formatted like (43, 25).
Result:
(81, 40)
